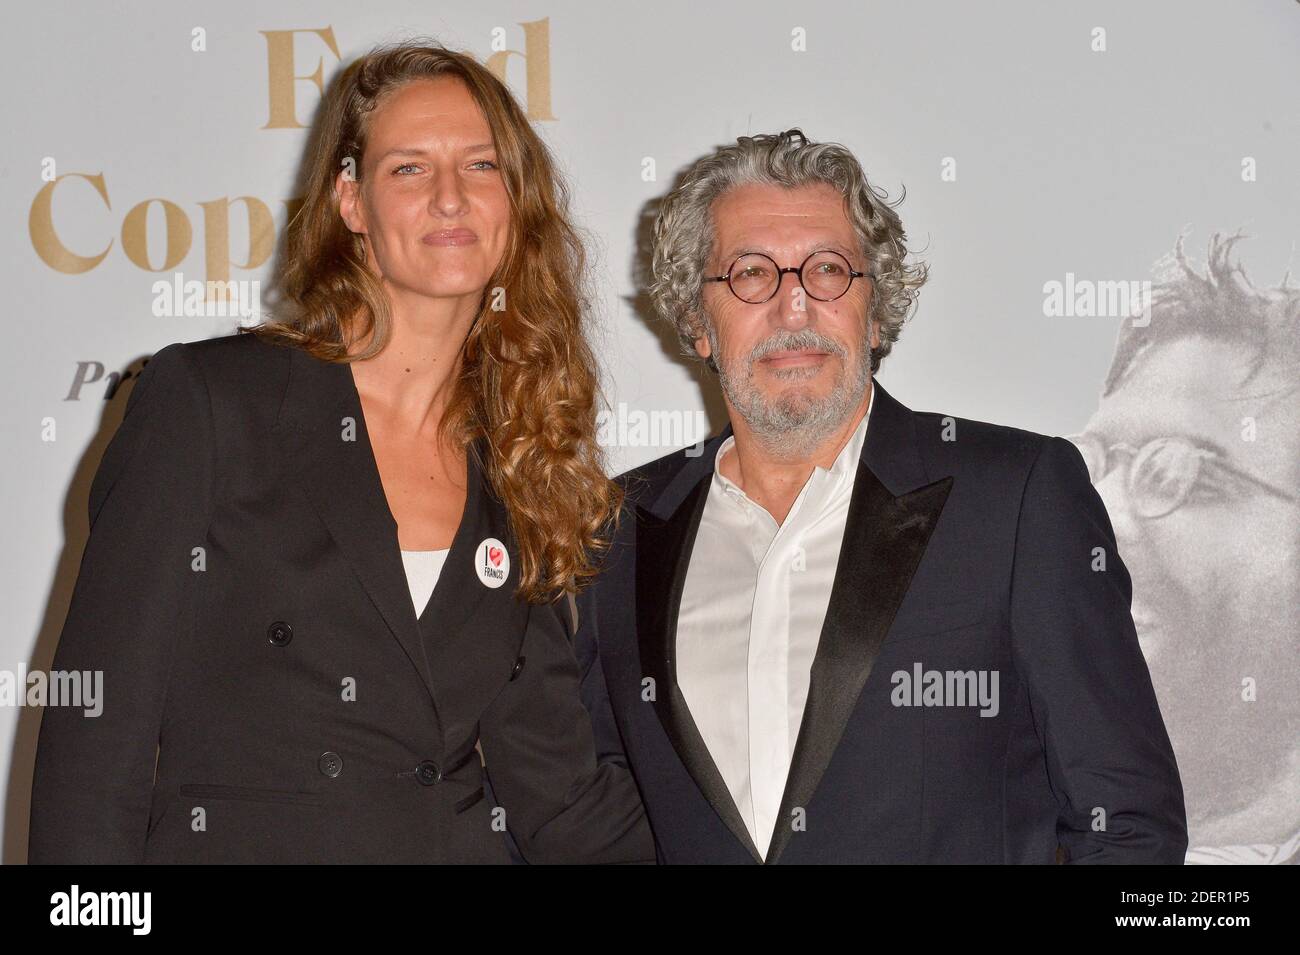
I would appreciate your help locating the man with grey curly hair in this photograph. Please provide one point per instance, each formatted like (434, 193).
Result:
(824, 363)
(849, 631)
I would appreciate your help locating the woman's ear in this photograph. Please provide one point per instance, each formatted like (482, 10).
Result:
(347, 190)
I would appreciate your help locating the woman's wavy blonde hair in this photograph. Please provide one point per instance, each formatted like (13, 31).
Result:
(528, 380)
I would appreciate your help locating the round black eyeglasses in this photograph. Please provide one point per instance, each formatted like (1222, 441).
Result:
(755, 277)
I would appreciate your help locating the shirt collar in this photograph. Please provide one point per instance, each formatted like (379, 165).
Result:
(847, 460)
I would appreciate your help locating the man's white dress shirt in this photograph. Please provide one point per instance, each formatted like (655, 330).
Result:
(751, 616)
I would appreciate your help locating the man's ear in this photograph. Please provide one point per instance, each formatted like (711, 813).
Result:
(705, 351)
(698, 326)
(873, 333)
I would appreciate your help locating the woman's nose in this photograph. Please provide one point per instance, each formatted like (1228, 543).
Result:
(448, 196)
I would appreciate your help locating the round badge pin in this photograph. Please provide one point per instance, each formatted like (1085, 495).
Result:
(492, 563)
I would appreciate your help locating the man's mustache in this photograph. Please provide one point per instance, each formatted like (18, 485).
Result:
(806, 339)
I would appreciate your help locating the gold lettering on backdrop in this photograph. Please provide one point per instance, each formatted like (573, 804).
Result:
(179, 233)
(135, 238)
(283, 111)
(46, 242)
(216, 237)
(537, 67)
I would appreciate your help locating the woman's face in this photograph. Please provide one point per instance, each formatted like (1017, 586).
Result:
(431, 200)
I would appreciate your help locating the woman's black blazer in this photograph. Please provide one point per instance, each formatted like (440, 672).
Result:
(268, 692)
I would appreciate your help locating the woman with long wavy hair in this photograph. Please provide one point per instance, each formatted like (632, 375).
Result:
(329, 557)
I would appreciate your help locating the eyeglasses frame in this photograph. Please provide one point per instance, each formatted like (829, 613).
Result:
(1202, 454)
(781, 273)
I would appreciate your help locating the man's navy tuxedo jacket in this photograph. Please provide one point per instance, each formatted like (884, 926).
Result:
(969, 547)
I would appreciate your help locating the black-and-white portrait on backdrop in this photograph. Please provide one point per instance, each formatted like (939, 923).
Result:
(1195, 448)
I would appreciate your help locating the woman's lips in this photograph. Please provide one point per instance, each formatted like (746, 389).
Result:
(451, 237)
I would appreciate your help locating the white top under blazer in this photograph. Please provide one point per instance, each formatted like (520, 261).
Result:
(423, 567)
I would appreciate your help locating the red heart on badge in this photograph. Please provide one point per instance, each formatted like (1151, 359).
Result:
(494, 555)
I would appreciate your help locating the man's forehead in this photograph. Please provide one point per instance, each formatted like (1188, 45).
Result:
(1196, 388)
(762, 218)
(1208, 369)
(754, 204)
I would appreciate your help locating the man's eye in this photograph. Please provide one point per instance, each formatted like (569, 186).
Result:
(408, 165)
(1219, 482)
(1206, 488)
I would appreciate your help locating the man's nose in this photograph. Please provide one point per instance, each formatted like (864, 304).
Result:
(793, 301)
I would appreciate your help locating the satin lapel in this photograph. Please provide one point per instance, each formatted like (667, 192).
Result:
(332, 461)
(460, 593)
(885, 537)
(663, 550)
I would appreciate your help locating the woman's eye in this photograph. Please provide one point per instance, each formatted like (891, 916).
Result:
(484, 162)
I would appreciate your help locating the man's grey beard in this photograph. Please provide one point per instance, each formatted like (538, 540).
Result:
(792, 424)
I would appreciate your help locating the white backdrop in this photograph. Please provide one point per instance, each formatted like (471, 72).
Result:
(1035, 141)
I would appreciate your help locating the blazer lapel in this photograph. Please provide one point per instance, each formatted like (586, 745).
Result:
(663, 550)
(889, 524)
(458, 599)
(332, 460)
